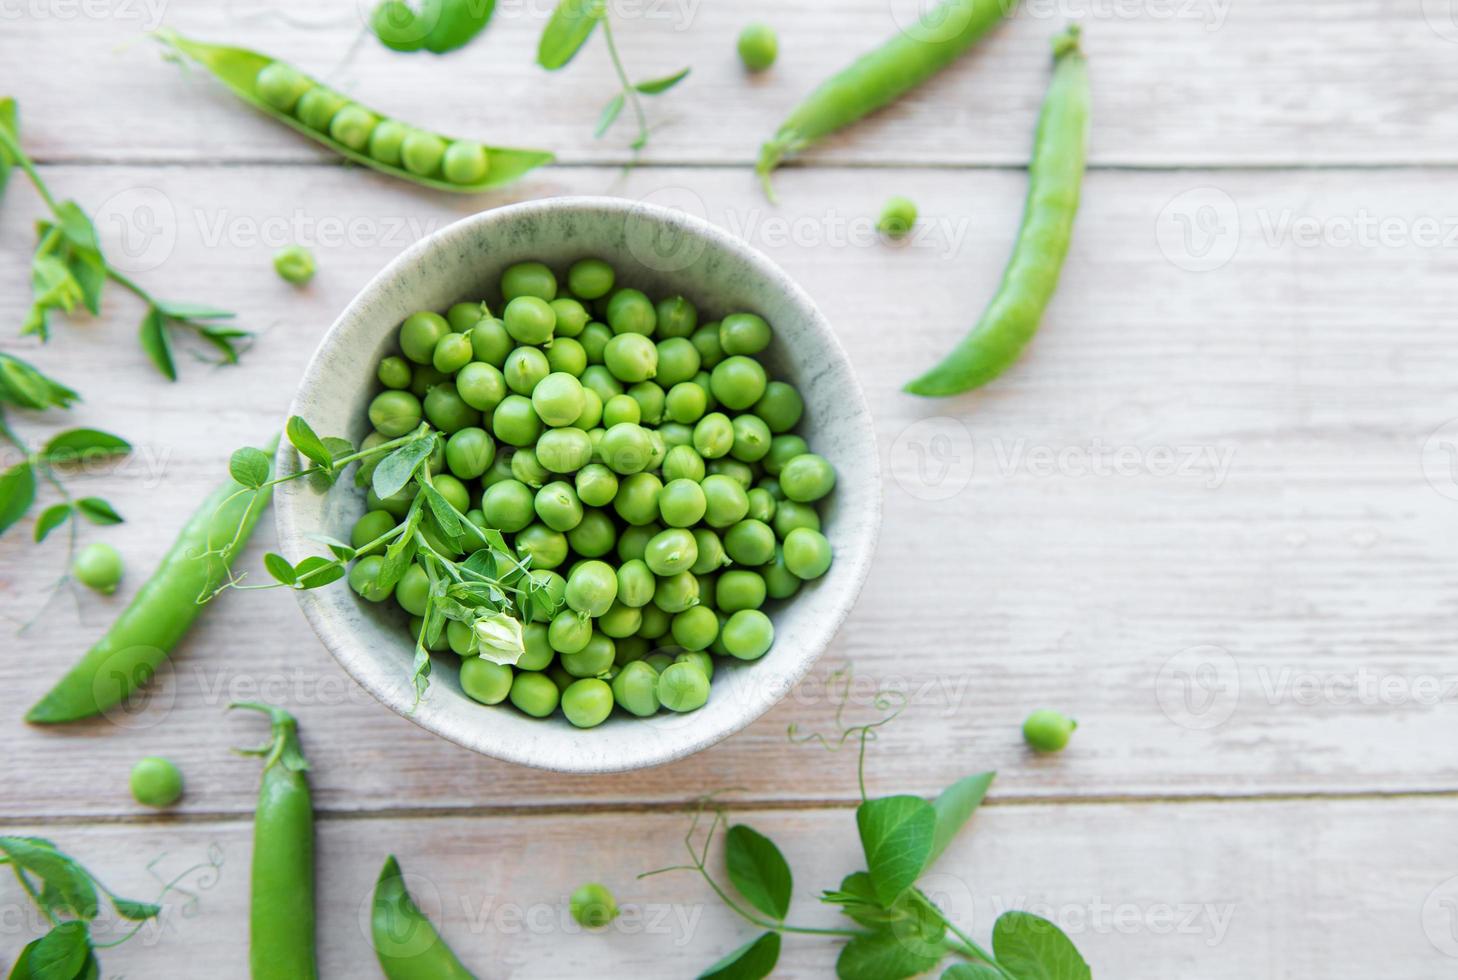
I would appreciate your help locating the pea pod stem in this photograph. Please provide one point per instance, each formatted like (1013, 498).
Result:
(158, 617)
(881, 76)
(281, 924)
(1031, 277)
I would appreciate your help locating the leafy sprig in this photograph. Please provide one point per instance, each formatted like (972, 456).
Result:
(69, 270)
(475, 577)
(900, 932)
(19, 485)
(570, 27)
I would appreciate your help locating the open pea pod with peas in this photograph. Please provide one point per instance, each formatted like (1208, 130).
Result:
(354, 132)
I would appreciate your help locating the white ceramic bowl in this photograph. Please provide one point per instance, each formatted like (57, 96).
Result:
(663, 252)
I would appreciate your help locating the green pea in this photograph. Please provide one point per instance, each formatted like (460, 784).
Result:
(530, 320)
(743, 333)
(485, 681)
(394, 413)
(758, 46)
(686, 402)
(780, 406)
(675, 434)
(807, 477)
(546, 585)
(528, 469)
(599, 379)
(629, 311)
(565, 354)
(281, 86)
(564, 450)
(99, 567)
(738, 382)
(594, 536)
(726, 501)
(364, 575)
(807, 553)
(412, 590)
(592, 660)
(676, 317)
(656, 623)
(695, 628)
(463, 317)
(897, 217)
(626, 448)
(535, 694)
(683, 687)
(711, 552)
(394, 372)
(1048, 731)
(295, 264)
(650, 398)
(465, 162)
(750, 542)
(156, 782)
(761, 505)
(790, 515)
(751, 438)
(572, 317)
(419, 334)
(670, 552)
(619, 409)
(659, 660)
(528, 279)
(547, 547)
(539, 653)
(706, 340)
(714, 435)
(596, 485)
(621, 621)
(424, 377)
(371, 526)
(590, 278)
(396, 504)
(515, 421)
(461, 639)
(633, 540)
(682, 503)
(675, 593)
(637, 498)
(490, 342)
(739, 589)
(635, 583)
(352, 126)
(678, 361)
(779, 581)
(558, 507)
(591, 416)
(317, 107)
(594, 338)
(635, 689)
(631, 357)
(387, 142)
(587, 704)
(569, 632)
(447, 411)
(421, 153)
(557, 398)
(741, 473)
(469, 452)
(683, 463)
(452, 352)
(783, 448)
(748, 634)
(481, 385)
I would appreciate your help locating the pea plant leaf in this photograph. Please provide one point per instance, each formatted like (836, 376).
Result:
(279, 567)
(758, 870)
(135, 911)
(194, 311)
(249, 467)
(971, 971)
(10, 126)
(24, 386)
(398, 468)
(896, 834)
(571, 24)
(70, 884)
(76, 227)
(316, 571)
(306, 442)
(60, 953)
(883, 956)
(610, 113)
(154, 340)
(754, 960)
(51, 518)
(98, 511)
(657, 86)
(1032, 948)
(17, 493)
(84, 445)
(954, 808)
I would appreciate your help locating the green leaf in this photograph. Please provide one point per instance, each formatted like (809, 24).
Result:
(398, 468)
(249, 467)
(609, 115)
(758, 870)
(336, 547)
(333, 571)
(896, 834)
(10, 124)
(752, 961)
(51, 518)
(278, 566)
(70, 883)
(954, 808)
(571, 25)
(883, 956)
(444, 514)
(17, 493)
(1032, 948)
(84, 445)
(659, 85)
(194, 311)
(135, 911)
(153, 336)
(60, 954)
(88, 268)
(98, 511)
(77, 227)
(25, 387)
(306, 442)
(971, 971)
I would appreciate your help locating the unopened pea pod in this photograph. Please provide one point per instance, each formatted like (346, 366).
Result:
(407, 944)
(1031, 276)
(916, 53)
(352, 131)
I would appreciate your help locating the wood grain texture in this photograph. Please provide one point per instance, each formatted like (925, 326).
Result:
(1176, 82)
(1183, 460)
(1346, 890)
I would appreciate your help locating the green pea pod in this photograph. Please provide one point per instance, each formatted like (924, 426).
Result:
(1031, 276)
(281, 923)
(239, 68)
(882, 76)
(163, 610)
(408, 946)
(438, 26)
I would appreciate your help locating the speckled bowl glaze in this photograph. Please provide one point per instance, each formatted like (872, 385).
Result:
(662, 252)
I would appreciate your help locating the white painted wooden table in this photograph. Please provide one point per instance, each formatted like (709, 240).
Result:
(1210, 513)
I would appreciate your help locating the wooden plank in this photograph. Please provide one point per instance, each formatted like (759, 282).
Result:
(1271, 889)
(1319, 561)
(1176, 82)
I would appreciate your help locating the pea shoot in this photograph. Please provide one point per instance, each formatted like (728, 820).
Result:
(571, 25)
(68, 270)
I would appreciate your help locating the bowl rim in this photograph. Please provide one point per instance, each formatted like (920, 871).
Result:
(336, 636)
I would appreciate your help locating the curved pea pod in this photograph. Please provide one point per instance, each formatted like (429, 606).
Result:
(437, 26)
(239, 68)
(1054, 180)
(916, 53)
(281, 896)
(162, 611)
(408, 946)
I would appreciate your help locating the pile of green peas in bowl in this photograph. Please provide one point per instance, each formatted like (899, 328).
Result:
(644, 465)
